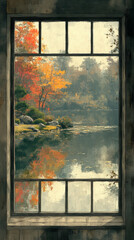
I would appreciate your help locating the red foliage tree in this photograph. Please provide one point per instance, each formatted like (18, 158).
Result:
(41, 78)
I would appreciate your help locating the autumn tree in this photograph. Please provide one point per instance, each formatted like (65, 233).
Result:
(52, 82)
(26, 37)
(26, 41)
(42, 80)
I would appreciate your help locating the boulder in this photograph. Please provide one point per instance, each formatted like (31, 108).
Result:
(53, 123)
(41, 125)
(26, 119)
(33, 129)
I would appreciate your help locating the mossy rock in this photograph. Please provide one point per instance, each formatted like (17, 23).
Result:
(39, 120)
(17, 120)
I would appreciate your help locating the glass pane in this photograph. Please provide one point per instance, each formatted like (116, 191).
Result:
(79, 37)
(26, 197)
(105, 37)
(53, 197)
(53, 37)
(79, 197)
(79, 138)
(26, 37)
(105, 195)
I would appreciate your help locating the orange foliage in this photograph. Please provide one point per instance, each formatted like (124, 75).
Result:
(40, 78)
(51, 81)
(26, 37)
(34, 199)
(48, 162)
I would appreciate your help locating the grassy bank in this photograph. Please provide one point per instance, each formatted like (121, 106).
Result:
(24, 128)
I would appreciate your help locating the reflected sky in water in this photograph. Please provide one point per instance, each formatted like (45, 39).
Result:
(53, 197)
(105, 197)
(82, 152)
(79, 197)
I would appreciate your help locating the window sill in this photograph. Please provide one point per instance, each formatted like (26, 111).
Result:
(75, 221)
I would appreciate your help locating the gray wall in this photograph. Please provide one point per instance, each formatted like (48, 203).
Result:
(65, 7)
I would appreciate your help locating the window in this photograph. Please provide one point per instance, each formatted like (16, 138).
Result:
(66, 105)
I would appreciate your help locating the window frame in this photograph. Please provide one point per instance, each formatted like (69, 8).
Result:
(78, 218)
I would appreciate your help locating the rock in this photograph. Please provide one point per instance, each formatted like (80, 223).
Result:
(41, 125)
(33, 129)
(53, 123)
(26, 119)
(70, 125)
(58, 127)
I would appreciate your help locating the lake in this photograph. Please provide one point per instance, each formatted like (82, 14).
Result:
(88, 150)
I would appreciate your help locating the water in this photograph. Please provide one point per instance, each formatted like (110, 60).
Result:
(82, 152)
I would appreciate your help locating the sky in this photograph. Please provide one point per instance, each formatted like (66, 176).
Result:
(102, 61)
(79, 39)
(79, 36)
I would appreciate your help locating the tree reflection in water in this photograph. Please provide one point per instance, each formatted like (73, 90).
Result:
(48, 162)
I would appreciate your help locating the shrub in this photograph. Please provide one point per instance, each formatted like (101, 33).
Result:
(17, 120)
(39, 120)
(22, 106)
(35, 113)
(49, 118)
(65, 122)
(20, 92)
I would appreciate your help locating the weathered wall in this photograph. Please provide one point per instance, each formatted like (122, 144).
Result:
(56, 234)
(66, 7)
(3, 125)
(129, 124)
(71, 7)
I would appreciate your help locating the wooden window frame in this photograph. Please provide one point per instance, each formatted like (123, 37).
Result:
(75, 219)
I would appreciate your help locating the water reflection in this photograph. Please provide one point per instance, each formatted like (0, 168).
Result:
(26, 197)
(79, 197)
(106, 197)
(81, 152)
(53, 198)
(47, 164)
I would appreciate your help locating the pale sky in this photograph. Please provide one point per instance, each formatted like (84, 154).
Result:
(102, 44)
(79, 34)
(53, 36)
(79, 38)
(77, 61)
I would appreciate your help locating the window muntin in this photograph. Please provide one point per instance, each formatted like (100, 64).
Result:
(107, 180)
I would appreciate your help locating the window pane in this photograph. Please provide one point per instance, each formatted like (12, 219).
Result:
(105, 197)
(79, 197)
(105, 37)
(53, 37)
(83, 89)
(53, 197)
(26, 37)
(26, 197)
(66, 117)
(79, 37)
